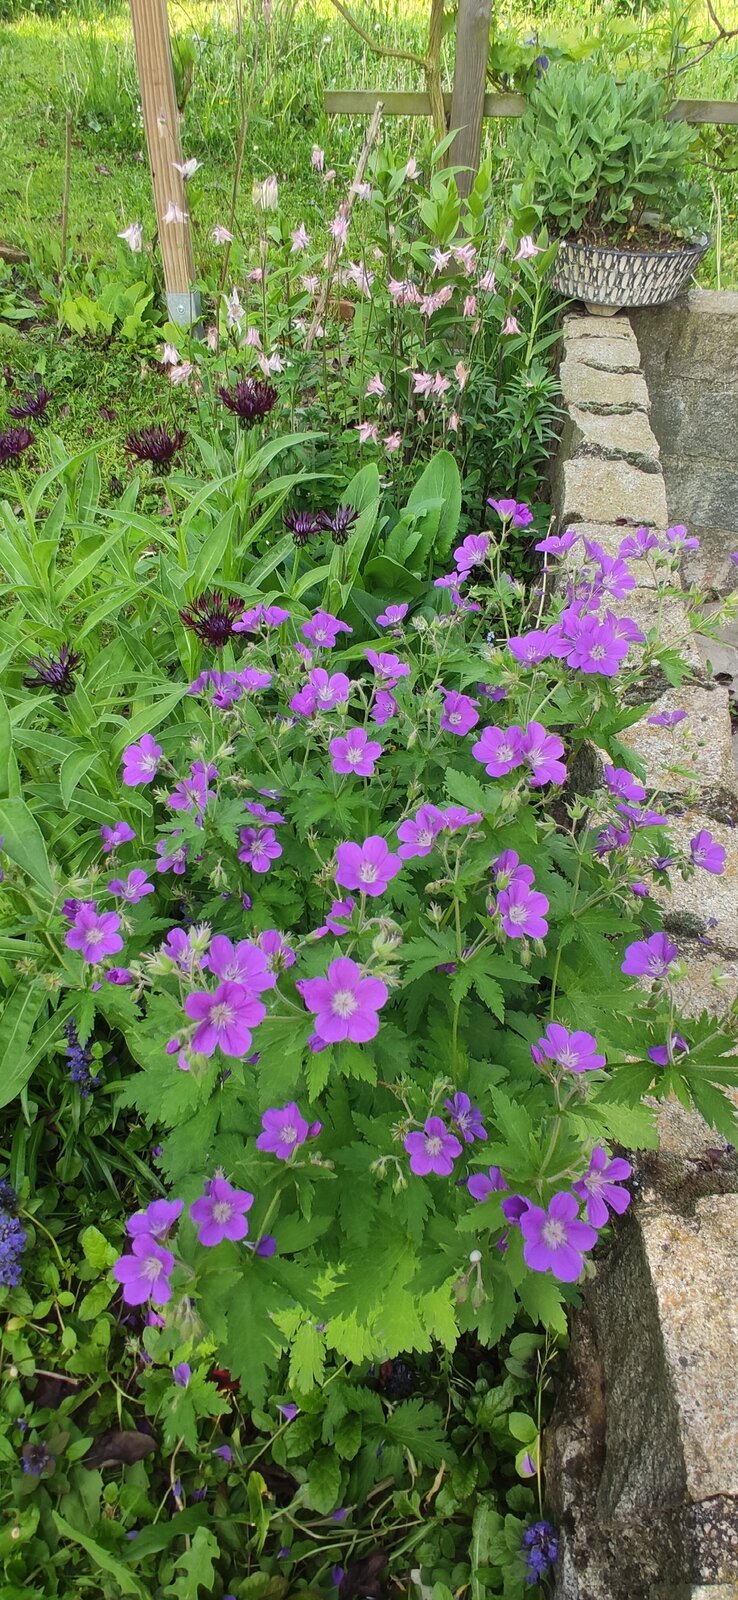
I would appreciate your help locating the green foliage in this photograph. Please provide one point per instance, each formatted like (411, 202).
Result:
(601, 155)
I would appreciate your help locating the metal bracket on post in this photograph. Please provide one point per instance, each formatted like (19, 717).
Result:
(184, 308)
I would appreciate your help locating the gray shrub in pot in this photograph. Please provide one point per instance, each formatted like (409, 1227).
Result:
(612, 176)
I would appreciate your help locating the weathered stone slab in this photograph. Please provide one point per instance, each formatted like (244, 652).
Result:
(705, 904)
(710, 568)
(583, 384)
(579, 325)
(608, 355)
(591, 488)
(625, 433)
(697, 752)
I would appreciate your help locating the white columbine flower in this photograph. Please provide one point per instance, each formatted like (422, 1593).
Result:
(170, 356)
(266, 195)
(187, 168)
(174, 213)
(133, 236)
(220, 235)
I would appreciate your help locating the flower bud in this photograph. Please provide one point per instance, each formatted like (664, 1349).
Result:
(475, 1256)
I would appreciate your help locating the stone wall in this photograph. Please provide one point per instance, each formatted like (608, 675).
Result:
(642, 1451)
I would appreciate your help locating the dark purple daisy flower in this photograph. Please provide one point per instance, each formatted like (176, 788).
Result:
(212, 615)
(340, 524)
(155, 444)
(54, 672)
(13, 442)
(31, 405)
(251, 399)
(302, 525)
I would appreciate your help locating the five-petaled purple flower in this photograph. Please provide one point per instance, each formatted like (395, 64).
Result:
(482, 1184)
(120, 833)
(433, 1150)
(508, 868)
(219, 1212)
(156, 1220)
(225, 1019)
(133, 888)
(541, 752)
(144, 1274)
(94, 933)
(392, 615)
(499, 750)
(323, 629)
(259, 848)
(523, 911)
(706, 852)
(577, 1051)
(600, 1187)
(345, 1002)
(650, 958)
(418, 834)
(369, 866)
(355, 752)
(555, 1240)
(242, 963)
(284, 1129)
(466, 1117)
(141, 761)
(459, 713)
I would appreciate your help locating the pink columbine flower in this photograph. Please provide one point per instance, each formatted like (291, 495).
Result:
(283, 1131)
(487, 283)
(144, 1274)
(433, 1150)
(392, 615)
(440, 258)
(355, 753)
(706, 852)
(241, 963)
(469, 308)
(459, 712)
(499, 750)
(541, 752)
(219, 1212)
(368, 432)
(600, 1187)
(555, 1240)
(370, 866)
(323, 629)
(133, 237)
(338, 229)
(392, 442)
(175, 213)
(133, 889)
(418, 834)
(259, 848)
(465, 256)
(157, 1220)
(345, 1002)
(510, 325)
(461, 374)
(300, 239)
(650, 958)
(422, 383)
(225, 1019)
(412, 170)
(120, 833)
(317, 158)
(375, 386)
(577, 1051)
(523, 911)
(141, 761)
(221, 235)
(527, 248)
(94, 933)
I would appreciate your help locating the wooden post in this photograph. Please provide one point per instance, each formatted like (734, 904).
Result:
(470, 77)
(161, 122)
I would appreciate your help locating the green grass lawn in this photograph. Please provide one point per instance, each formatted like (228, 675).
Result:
(80, 64)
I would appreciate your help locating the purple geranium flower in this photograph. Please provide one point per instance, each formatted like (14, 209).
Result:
(322, 692)
(623, 785)
(388, 668)
(219, 1212)
(172, 857)
(225, 1019)
(530, 648)
(392, 615)
(466, 1117)
(600, 1187)
(523, 911)
(369, 866)
(577, 1051)
(345, 1002)
(144, 1274)
(482, 1184)
(182, 1374)
(384, 707)
(156, 1220)
(355, 752)
(337, 919)
(418, 834)
(141, 761)
(94, 933)
(459, 712)
(541, 752)
(284, 1129)
(260, 617)
(556, 544)
(259, 848)
(242, 963)
(555, 1240)
(594, 644)
(499, 750)
(639, 543)
(667, 719)
(323, 629)
(650, 958)
(133, 888)
(706, 852)
(120, 833)
(193, 793)
(457, 817)
(664, 1054)
(515, 511)
(433, 1150)
(508, 868)
(289, 1410)
(471, 553)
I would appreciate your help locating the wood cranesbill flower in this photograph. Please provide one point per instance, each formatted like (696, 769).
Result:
(577, 1051)
(225, 1019)
(432, 1150)
(650, 958)
(155, 444)
(141, 761)
(219, 1213)
(212, 616)
(368, 867)
(54, 672)
(600, 1187)
(555, 1240)
(94, 933)
(283, 1130)
(345, 1003)
(251, 400)
(13, 443)
(31, 405)
(144, 1274)
(467, 1119)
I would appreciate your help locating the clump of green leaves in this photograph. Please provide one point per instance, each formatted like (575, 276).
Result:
(602, 155)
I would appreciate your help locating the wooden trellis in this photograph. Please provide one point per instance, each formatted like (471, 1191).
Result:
(161, 124)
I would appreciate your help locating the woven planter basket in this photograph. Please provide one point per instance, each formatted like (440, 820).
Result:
(608, 279)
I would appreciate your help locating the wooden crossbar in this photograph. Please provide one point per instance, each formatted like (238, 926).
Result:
(409, 103)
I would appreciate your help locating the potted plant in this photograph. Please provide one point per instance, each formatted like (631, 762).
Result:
(611, 175)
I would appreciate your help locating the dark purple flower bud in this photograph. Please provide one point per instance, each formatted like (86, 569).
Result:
(31, 405)
(250, 400)
(340, 524)
(246, 902)
(314, 1129)
(285, 1553)
(224, 1451)
(266, 1246)
(302, 525)
(155, 444)
(54, 672)
(182, 1374)
(13, 442)
(289, 1411)
(211, 616)
(337, 1576)
(514, 1207)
